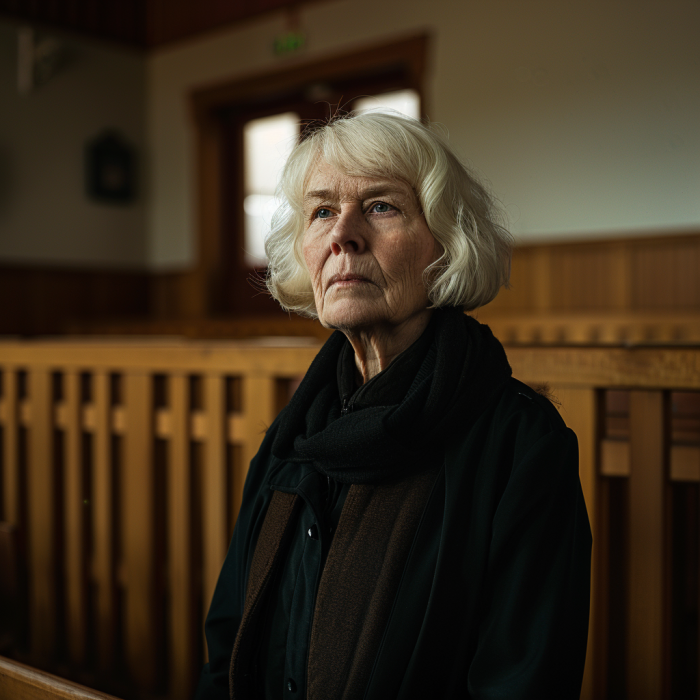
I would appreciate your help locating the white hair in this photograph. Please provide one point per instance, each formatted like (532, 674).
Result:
(458, 210)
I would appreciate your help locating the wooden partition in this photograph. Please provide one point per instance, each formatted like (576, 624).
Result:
(122, 473)
(636, 413)
(123, 466)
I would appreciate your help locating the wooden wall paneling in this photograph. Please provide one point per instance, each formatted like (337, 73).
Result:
(665, 273)
(586, 276)
(620, 277)
(41, 491)
(214, 485)
(517, 297)
(75, 521)
(579, 410)
(180, 528)
(592, 280)
(612, 274)
(103, 515)
(541, 279)
(562, 275)
(137, 520)
(49, 300)
(615, 275)
(646, 633)
(10, 474)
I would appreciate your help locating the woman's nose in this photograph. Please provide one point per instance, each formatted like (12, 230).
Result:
(347, 235)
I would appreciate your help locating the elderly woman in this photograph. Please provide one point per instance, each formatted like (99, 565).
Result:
(413, 524)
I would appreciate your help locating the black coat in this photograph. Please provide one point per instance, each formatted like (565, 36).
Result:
(494, 598)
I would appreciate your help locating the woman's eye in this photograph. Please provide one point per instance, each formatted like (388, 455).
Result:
(323, 213)
(380, 208)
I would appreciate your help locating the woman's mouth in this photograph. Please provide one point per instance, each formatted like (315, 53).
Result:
(347, 280)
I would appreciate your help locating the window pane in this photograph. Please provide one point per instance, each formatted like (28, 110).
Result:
(405, 101)
(267, 143)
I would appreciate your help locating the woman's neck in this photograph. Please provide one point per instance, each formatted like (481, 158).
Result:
(376, 348)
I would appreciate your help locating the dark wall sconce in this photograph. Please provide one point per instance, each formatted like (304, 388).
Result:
(110, 169)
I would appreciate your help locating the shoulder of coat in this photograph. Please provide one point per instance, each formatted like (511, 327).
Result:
(538, 401)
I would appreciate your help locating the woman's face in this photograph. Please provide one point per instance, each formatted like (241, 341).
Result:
(366, 245)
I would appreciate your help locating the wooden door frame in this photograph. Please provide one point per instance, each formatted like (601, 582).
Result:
(204, 284)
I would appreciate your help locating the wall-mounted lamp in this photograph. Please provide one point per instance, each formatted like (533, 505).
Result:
(110, 173)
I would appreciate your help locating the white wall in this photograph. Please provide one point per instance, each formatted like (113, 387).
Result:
(583, 115)
(45, 216)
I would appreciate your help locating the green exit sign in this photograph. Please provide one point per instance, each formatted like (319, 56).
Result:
(289, 43)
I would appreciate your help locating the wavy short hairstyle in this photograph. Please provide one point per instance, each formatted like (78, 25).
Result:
(458, 210)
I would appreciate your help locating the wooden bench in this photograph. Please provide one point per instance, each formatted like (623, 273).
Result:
(20, 682)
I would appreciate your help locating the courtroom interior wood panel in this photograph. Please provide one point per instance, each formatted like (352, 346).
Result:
(635, 274)
(42, 300)
(609, 291)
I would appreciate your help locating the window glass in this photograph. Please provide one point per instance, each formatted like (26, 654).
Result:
(267, 143)
(405, 101)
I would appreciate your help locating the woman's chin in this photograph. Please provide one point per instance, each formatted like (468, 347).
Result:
(347, 315)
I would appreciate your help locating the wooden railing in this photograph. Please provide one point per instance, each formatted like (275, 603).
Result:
(122, 472)
(123, 464)
(636, 413)
(20, 682)
(610, 328)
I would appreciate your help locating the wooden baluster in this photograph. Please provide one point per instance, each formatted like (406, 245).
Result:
(75, 511)
(137, 519)
(259, 404)
(646, 633)
(182, 632)
(41, 490)
(214, 492)
(578, 408)
(102, 522)
(10, 487)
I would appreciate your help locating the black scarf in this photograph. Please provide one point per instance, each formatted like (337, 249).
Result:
(464, 370)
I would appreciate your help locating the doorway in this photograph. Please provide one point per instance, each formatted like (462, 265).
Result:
(246, 130)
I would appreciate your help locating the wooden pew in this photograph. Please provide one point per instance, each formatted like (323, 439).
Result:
(20, 682)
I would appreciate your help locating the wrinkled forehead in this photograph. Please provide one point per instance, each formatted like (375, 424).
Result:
(327, 179)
